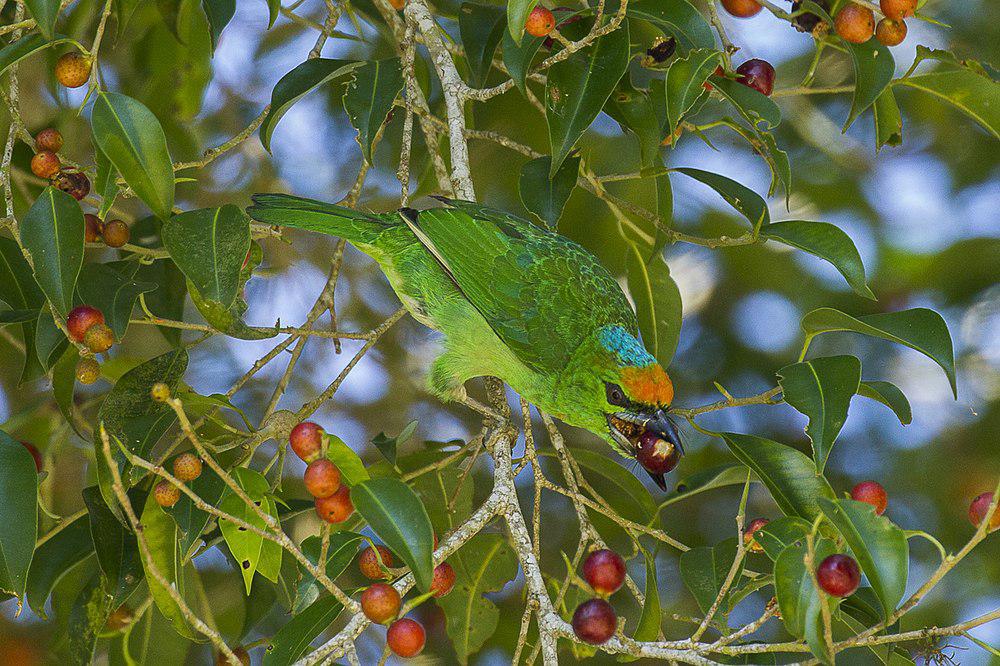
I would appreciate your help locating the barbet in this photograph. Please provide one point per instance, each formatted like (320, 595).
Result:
(517, 302)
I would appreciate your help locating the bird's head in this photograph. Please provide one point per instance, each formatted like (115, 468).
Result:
(615, 388)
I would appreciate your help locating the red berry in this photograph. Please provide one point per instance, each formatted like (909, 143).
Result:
(657, 456)
(166, 494)
(742, 8)
(605, 571)
(115, 233)
(49, 139)
(45, 164)
(380, 603)
(749, 539)
(73, 183)
(99, 338)
(890, 32)
(93, 228)
(35, 453)
(540, 22)
(307, 440)
(871, 492)
(406, 637)
(369, 564)
(757, 74)
(594, 621)
(978, 509)
(187, 467)
(322, 478)
(443, 581)
(80, 319)
(897, 10)
(337, 507)
(72, 69)
(855, 23)
(838, 575)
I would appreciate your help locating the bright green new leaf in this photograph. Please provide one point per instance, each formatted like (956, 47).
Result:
(351, 467)
(52, 232)
(826, 241)
(131, 137)
(919, 328)
(888, 120)
(396, 514)
(822, 389)
(249, 547)
(160, 533)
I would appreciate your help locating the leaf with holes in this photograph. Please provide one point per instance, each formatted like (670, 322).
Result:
(369, 99)
(247, 546)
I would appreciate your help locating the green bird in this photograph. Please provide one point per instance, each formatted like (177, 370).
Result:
(517, 302)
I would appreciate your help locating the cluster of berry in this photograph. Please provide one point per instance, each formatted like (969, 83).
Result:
(322, 478)
(595, 621)
(46, 164)
(85, 324)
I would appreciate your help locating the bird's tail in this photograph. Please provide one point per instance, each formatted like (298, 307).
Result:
(285, 210)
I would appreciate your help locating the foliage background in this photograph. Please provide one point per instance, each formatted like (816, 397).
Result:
(924, 216)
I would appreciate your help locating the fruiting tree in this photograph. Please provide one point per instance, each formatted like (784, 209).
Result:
(146, 485)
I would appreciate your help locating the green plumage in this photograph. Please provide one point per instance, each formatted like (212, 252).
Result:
(512, 299)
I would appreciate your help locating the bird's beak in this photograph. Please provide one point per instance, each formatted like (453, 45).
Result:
(663, 427)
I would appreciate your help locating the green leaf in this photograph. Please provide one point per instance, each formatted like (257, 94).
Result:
(517, 16)
(777, 161)
(975, 95)
(447, 498)
(626, 494)
(340, 552)
(192, 521)
(703, 480)
(18, 514)
(19, 290)
(112, 289)
(295, 84)
(369, 98)
(648, 628)
(873, 70)
(919, 328)
(399, 518)
(779, 534)
(52, 233)
(228, 320)
(826, 241)
(790, 476)
(8, 317)
(105, 183)
(209, 246)
(50, 342)
(798, 599)
(634, 111)
(117, 549)
(517, 58)
(683, 83)
(387, 446)
(64, 383)
(273, 7)
(747, 202)
(25, 46)
(879, 546)
(822, 389)
(246, 546)
(890, 396)
(160, 532)
(129, 413)
(678, 18)
(704, 570)
(486, 563)
(45, 13)
(288, 644)
(219, 14)
(546, 196)
(752, 105)
(351, 467)
(54, 558)
(87, 618)
(657, 304)
(481, 28)
(888, 120)
(577, 89)
(167, 300)
(132, 138)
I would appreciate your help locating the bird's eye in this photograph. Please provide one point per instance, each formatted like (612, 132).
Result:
(615, 395)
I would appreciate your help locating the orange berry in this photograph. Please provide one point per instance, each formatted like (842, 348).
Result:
(443, 581)
(742, 8)
(854, 23)
(49, 139)
(166, 494)
(187, 466)
(81, 319)
(540, 22)
(115, 233)
(322, 478)
(99, 338)
(398, 5)
(871, 492)
(72, 69)
(897, 10)
(369, 564)
(45, 164)
(380, 603)
(890, 32)
(406, 637)
(337, 507)
(306, 440)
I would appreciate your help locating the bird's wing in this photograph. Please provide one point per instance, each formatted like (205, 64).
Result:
(540, 292)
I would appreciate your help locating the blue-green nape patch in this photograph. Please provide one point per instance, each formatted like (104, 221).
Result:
(629, 350)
